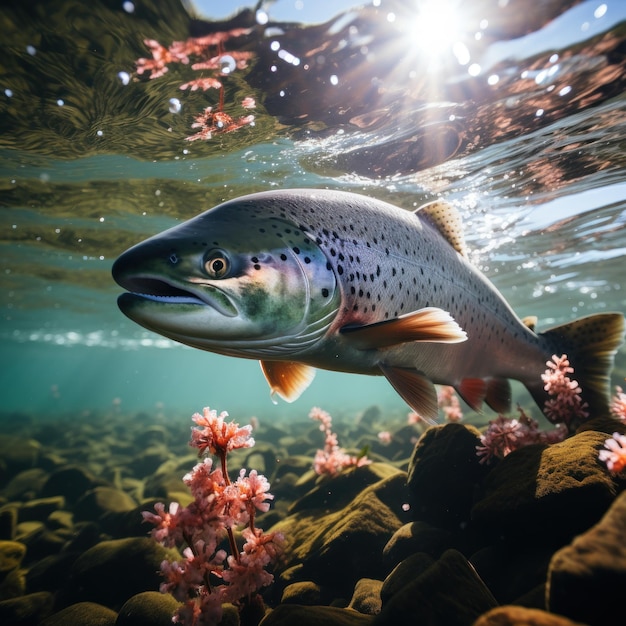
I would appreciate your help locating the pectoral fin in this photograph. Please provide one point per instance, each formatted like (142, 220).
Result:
(287, 379)
(428, 324)
(416, 390)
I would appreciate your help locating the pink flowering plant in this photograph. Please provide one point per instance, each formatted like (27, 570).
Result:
(565, 408)
(208, 574)
(205, 55)
(614, 454)
(566, 405)
(332, 458)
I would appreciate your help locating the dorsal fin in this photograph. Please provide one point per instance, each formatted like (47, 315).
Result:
(287, 379)
(447, 220)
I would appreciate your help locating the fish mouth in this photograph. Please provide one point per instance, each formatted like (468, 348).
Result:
(150, 289)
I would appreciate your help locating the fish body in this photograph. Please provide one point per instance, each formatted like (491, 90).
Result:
(302, 279)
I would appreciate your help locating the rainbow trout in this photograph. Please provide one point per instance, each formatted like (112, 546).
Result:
(303, 279)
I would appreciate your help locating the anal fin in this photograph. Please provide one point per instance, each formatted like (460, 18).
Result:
(473, 391)
(499, 395)
(416, 390)
(287, 379)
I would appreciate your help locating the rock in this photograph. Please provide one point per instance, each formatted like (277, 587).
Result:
(449, 593)
(12, 582)
(149, 608)
(11, 555)
(341, 489)
(341, 537)
(18, 453)
(101, 500)
(149, 460)
(366, 596)
(405, 571)
(305, 592)
(26, 610)
(444, 473)
(546, 492)
(129, 566)
(292, 614)
(25, 485)
(592, 566)
(40, 508)
(520, 616)
(417, 537)
(83, 613)
(49, 573)
(71, 482)
(8, 521)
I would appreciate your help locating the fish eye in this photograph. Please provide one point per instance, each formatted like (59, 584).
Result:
(217, 265)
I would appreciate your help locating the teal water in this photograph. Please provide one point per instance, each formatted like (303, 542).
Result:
(537, 168)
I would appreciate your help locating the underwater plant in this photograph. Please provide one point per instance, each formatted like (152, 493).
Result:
(210, 56)
(618, 404)
(207, 576)
(564, 408)
(615, 453)
(332, 458)
(566, 405)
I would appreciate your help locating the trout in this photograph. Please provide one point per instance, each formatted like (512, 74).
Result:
(302, 279)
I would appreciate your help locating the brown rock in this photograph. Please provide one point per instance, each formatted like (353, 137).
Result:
(543, 491)
(587, 577)
(149, 608)
(304, 592)
(83, 613)
(294, 614)
(449, 592)
(403, 573)
(444, 473)
(417, 537)
(366, 596)
(519, 616)
(26, 610)
(333, 545)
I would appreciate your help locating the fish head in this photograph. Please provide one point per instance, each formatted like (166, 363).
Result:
(234, 280)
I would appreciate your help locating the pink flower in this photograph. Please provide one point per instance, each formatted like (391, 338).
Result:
(248, 103)
(566, 405)
(202, 83)
(332, 459)
(500, 438)
(157, 66)
(384, 436)
(615, 454)
(218, 436)
(618, 404)
(167, 529)
(449, 403)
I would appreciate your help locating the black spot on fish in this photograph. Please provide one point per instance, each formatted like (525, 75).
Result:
(296, 249)
(254, 259)
(283, 257)
(340, 269)
(257, 266)
(325, 292)
(307, 259)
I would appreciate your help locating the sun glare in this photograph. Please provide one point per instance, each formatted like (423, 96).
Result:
(435, 30)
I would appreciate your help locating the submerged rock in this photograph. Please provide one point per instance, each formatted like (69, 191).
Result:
(540, 490)
(336, 536)
(449, 593)
(588, 576)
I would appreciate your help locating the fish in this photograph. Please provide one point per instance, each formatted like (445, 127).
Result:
(301, 279)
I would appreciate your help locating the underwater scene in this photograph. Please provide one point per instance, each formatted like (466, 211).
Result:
(312, 312)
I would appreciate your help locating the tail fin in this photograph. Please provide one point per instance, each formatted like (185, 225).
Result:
(590, 344)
